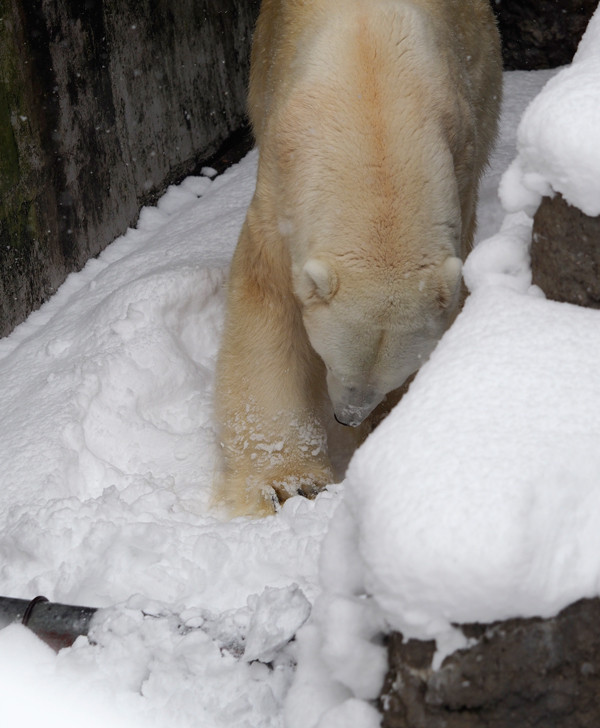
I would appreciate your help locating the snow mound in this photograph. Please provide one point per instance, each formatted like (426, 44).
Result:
(479, 497)
(559, 137)
(107, 443)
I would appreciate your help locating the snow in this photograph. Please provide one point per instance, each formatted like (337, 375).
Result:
(108, 448)
(559, 136)
(30, 687)
(503, 520)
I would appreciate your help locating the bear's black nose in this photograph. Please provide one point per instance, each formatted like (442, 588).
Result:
(337, 419)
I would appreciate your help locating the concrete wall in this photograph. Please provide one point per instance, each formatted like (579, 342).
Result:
(102, 104)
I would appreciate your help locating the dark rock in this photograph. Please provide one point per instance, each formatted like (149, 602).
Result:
(520, 673)
(565, 253)
(541, 33)
(103, 103)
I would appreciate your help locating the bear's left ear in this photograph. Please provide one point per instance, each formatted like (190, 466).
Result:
(320, 279)
(450, 271)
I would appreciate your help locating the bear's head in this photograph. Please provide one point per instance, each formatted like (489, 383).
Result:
(373, 326)
(374, 196)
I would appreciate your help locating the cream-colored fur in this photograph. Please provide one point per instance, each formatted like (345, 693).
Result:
(374, 120)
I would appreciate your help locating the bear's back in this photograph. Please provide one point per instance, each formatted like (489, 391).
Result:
(300, 40)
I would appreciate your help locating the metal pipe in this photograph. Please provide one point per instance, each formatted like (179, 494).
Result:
(58, 625)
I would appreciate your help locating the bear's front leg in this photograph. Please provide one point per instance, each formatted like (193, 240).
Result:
(270, 388)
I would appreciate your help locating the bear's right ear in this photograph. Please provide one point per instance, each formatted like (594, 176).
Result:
(320, 279)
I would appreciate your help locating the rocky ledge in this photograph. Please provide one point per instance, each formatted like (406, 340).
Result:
(565, 253)
(519, 673)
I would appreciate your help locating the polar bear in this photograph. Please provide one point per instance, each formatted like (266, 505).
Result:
(374, 120)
